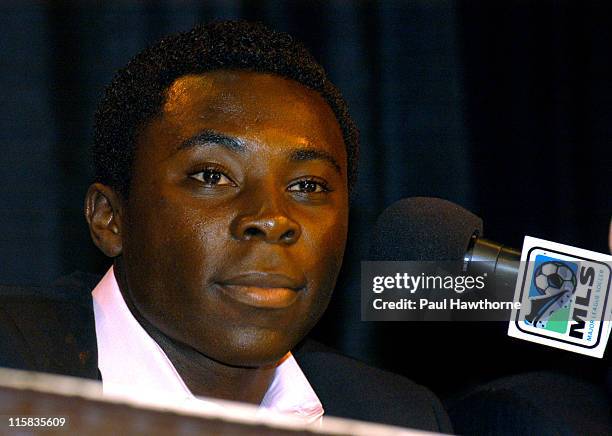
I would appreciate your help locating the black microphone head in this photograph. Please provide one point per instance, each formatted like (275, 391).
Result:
(423, 229)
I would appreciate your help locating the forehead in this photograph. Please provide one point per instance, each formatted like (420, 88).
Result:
(250, 105)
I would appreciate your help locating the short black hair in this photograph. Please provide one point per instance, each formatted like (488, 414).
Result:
(137, 92)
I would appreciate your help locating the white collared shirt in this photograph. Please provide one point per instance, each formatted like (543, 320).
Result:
(133, 364)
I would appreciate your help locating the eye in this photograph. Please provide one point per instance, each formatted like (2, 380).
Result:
(212, 177)
(309, 186)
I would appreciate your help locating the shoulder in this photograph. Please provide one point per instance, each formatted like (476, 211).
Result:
(66, 302)
(49, 328)
(351, 389)
(74, 288)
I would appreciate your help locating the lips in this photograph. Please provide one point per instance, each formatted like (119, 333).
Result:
(263, 290)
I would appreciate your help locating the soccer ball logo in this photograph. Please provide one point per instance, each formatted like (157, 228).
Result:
(555, 283)
(552, 278)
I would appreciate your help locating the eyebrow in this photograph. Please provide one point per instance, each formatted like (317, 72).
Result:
(210, 137)
(307, 154)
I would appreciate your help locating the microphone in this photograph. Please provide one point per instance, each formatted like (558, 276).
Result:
(433, 229)
(422, 229)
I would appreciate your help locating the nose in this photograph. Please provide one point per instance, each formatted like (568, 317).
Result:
(271, 228)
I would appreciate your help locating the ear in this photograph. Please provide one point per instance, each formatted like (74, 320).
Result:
(103, 210)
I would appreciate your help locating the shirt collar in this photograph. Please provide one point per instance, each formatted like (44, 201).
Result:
(132, 363)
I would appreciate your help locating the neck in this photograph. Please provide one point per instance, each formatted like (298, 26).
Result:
(202, 375)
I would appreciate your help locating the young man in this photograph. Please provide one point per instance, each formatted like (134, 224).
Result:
(224, 159)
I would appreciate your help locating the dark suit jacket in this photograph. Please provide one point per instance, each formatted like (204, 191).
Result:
(53, 330)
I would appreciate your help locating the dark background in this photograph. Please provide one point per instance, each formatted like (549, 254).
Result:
(502, 107)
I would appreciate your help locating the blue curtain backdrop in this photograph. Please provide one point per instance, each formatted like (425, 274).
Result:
(502, 107)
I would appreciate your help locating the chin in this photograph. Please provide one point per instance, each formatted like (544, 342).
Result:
(256, 348)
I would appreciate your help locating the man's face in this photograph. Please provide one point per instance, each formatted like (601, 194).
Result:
(237, 218)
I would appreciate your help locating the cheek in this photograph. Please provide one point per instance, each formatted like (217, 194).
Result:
(325, 235)
(174, 244)
(326, 242)
(168, 225)
(174, 251)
